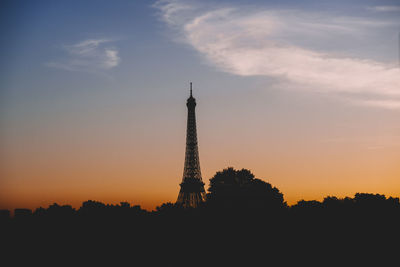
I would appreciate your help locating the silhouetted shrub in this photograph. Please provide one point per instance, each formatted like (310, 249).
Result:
(4, 215)
(22, 213)
(240, 190)
(168, 208)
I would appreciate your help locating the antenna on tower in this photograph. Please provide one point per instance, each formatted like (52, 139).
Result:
(190, 89)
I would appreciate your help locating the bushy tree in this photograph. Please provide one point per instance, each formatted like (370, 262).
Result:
(239, 189)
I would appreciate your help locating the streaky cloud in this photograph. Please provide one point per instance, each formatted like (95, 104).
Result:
(384, 8)
(261, 42)
(90, 55)
(388, 103)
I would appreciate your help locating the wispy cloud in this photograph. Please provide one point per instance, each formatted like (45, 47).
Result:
(384, 8)
(386, 103)
(260, 42)
(91, 55)
(170, 9)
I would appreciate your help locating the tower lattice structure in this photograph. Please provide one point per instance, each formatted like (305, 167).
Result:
(192, 191)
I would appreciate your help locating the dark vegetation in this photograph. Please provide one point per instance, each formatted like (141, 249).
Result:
(244, 218)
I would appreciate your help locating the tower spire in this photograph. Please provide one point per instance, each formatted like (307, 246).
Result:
(192, 191)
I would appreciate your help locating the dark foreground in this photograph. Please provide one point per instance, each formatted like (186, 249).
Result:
(358, 232)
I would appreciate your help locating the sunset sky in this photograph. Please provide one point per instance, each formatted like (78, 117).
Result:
(305, 94)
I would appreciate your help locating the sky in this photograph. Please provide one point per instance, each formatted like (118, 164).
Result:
(305, 94)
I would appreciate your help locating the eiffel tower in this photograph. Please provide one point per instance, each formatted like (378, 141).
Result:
(192, 187)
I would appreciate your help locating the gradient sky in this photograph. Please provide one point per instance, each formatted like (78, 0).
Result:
(305, 94)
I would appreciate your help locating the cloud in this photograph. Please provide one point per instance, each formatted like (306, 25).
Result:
(91, 55)
(388, 103)
(261, 42)
(384, 8)
(170, 9)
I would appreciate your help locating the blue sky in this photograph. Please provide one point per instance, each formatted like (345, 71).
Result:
(40, 38)
(76, 75)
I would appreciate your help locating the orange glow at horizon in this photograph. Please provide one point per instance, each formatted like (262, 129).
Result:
(73, 168)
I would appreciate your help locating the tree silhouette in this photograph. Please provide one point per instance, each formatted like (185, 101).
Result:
(165, 207)
(240, 190)
(239, 212)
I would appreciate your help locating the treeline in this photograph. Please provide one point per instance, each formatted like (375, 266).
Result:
(231, 192)
(362, 204)
(242, 217)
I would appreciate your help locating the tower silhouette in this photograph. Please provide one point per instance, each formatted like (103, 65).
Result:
(192, 191)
